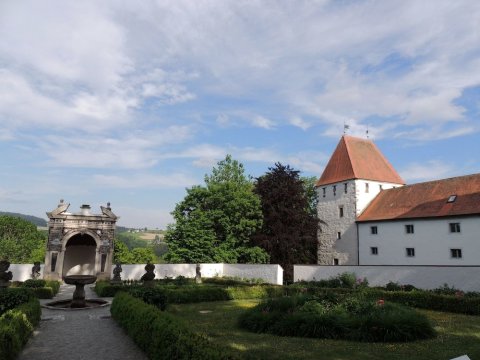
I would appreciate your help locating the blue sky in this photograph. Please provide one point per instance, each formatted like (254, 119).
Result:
(132, 102)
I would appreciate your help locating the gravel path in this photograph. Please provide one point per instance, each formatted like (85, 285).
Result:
(79, 334)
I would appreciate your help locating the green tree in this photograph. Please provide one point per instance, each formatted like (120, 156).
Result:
(310, 191)
(214, 222)
(121, 253)
(143, 256)
(289, 232)
(20, 241)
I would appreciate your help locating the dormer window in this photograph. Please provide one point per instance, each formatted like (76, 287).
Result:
(452, 198)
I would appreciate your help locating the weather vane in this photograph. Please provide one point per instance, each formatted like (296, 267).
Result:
(345, 127)
(367, 132)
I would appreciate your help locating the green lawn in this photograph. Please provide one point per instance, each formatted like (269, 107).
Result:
(457, 335)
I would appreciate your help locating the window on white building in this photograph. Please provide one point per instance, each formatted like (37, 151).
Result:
(456, 253)
(336, 262)
(367, 187)
(410, 252)
(340, 211)
(339, 235)
(334, 190)
(409, 229)
(373, 230)
(346, 187)
(324, 191)
(374, 250)
(454, 227)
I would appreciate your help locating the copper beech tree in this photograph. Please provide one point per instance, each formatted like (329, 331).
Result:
(289, 230)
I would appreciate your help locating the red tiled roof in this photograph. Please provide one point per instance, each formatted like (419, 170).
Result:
(428, 199)
(356, 158)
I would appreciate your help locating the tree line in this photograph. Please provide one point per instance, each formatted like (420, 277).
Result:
(231, 218)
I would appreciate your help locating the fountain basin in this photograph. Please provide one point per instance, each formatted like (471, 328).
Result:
(67, 304)
(79, 281)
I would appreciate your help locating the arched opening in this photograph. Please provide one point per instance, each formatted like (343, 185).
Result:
(80, 252)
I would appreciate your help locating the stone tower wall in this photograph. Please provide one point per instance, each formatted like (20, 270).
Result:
(354, 200)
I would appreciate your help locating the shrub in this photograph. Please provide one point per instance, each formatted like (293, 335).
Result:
(348, 280)
(445, 289)
(431, 301)
(350, 318)
(11, 298)
(54, 285)
(160, 335)
(43, 292)
(34, 283)
(393, 286)
(16, 326)
(104, 289)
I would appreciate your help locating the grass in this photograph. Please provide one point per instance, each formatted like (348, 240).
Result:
(457, 335)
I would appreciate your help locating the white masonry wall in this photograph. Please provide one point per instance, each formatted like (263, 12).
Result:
(432, 241)
(270, 273)
(424, 277)
(22, 272)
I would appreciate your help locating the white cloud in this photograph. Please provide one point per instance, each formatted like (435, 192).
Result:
(299, 122)
(432, 170)
(263, 122)
(145, 181)
(140, 149)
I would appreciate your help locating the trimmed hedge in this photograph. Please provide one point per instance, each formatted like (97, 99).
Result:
(16, 326)
(104, 289)
(13, 297)
(430, 301)
(43, 292)
(162, 294)
(349, 318)
(54, 285)
(34, 283)
(160, 335)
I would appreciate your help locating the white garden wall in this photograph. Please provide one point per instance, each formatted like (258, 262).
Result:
(272, 274)
(466, 278)
(22, 272)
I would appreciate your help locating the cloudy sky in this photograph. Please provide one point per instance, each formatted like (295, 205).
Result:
(133, 101)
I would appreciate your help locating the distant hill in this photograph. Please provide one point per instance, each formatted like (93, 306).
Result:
(33, 219)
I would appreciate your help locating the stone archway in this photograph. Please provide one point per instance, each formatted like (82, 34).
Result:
(80, 255)
(79, 243)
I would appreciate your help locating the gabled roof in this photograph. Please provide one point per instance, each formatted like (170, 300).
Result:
(356, 158)
(428, 199)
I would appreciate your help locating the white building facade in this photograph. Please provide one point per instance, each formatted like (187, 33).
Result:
(451, 241)
(368, 217)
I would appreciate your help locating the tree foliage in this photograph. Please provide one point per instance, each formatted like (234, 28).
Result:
(135, 256)
(215, 222)
(311, 194)
(20, 241)
(289, 232)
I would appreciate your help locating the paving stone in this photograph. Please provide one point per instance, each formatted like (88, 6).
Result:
(79, 334)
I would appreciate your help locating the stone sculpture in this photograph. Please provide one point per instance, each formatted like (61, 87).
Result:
(36, 270)
(5, 276)
(198, 274)
(117, 278)
(149, 275)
